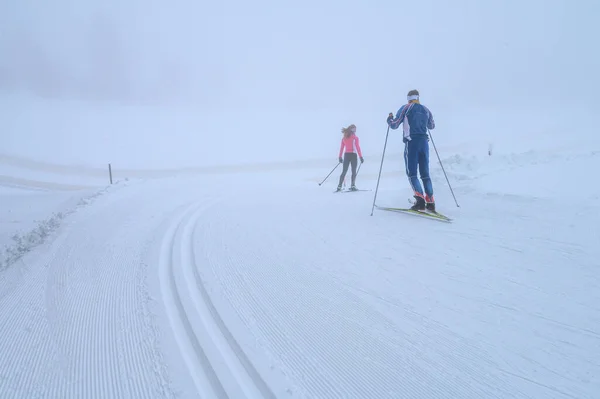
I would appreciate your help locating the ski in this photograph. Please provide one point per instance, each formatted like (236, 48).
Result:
(349, 191)
(412, 202)
(426, 214)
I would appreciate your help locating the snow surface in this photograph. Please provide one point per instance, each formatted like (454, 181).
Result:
(254, 281)
(215, 266)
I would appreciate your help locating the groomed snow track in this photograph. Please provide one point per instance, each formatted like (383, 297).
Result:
(217, 363)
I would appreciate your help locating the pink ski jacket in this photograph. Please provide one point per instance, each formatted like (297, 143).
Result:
(351, 144)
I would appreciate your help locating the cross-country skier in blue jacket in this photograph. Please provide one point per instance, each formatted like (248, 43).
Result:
(416, 119)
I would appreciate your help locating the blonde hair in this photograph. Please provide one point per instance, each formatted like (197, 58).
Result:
(348, 131)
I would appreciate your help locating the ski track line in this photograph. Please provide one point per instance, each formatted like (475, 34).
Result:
(205, 342)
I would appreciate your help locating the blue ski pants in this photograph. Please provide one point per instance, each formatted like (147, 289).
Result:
(416, 157)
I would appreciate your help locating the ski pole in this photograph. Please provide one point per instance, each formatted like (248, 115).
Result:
(329, 173)
(442, 165)
(380, 167)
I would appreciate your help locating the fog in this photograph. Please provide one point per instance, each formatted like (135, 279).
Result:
(307, 55)
(274, 57)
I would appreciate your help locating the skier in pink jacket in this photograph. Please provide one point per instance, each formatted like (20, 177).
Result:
(350, 147)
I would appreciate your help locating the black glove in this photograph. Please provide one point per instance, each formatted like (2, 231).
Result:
(362, 160)
(341, 160)
(389, 118)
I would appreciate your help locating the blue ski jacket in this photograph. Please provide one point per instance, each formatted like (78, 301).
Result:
(415, 118)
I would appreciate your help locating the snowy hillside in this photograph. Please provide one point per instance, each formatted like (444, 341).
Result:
(216, 266)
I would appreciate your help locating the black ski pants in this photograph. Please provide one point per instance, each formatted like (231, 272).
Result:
(350, 158)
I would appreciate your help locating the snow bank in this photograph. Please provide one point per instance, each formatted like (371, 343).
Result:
(28, 218)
